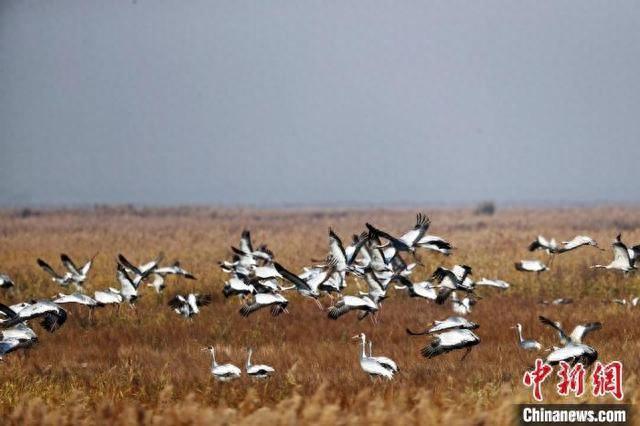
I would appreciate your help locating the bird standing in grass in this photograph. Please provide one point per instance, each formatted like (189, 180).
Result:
(258, 371)
(370, 365)
(222, 372)
(526, 344)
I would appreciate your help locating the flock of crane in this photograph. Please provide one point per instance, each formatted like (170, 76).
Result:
(375, 257)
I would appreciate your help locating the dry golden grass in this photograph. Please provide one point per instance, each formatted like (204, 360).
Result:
(146, 366)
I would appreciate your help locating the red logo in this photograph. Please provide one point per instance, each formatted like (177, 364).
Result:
(605, 379)
(535, 378)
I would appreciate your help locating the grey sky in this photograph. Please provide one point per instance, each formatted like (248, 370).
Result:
(274, 102)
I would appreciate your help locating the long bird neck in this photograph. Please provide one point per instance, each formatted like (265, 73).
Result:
(520, 334)
(364, 354)
(249, 359)
(214, 364)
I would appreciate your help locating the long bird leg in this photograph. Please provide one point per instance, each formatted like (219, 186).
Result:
(466, 353)
(319, 304)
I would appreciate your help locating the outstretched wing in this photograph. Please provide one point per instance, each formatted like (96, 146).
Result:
(620, 252)
(125, 280)
(418, 231)
(87, 266)
(582, 330)
(245, 242)
(48, 269)
(68, 263)
(292, 278)
(124, 262)
(547, 321)
(176, 302)
(203, 299)
(373, 231)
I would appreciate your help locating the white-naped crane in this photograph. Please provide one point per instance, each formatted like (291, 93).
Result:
(461, 307)
(621, 260)
(576, 242)
(174, 269)
(451, 323)
(435, 243)
(386, 362)
(53, 316)
(110, 296)
(496, 283)
(412, 239)
(78, 275)
(299, 284)
(77, 298)
(572, 350)
(365, 305)
(531, 266)
(526, 344)
(579, 332)
(222, 372)
(73, 275)
(141, 272)
(449, 341)
(341, 261)
(541, 243)
(189, 305)
(159, 275)
(5, 281)
(63, 280)
(370, 365)
(128, 287)
(423, 289)
(322, 279)
(237, 286)
(276, 302)
(407, 242)
(573, 353)
(453, 279)
(257, 371)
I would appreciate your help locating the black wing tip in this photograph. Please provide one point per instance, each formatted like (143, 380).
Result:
(334, 313)
(205, 299)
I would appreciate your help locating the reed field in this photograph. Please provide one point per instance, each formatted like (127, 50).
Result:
(146, 365)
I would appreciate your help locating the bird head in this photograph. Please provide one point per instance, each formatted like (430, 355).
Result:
(360, 336)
